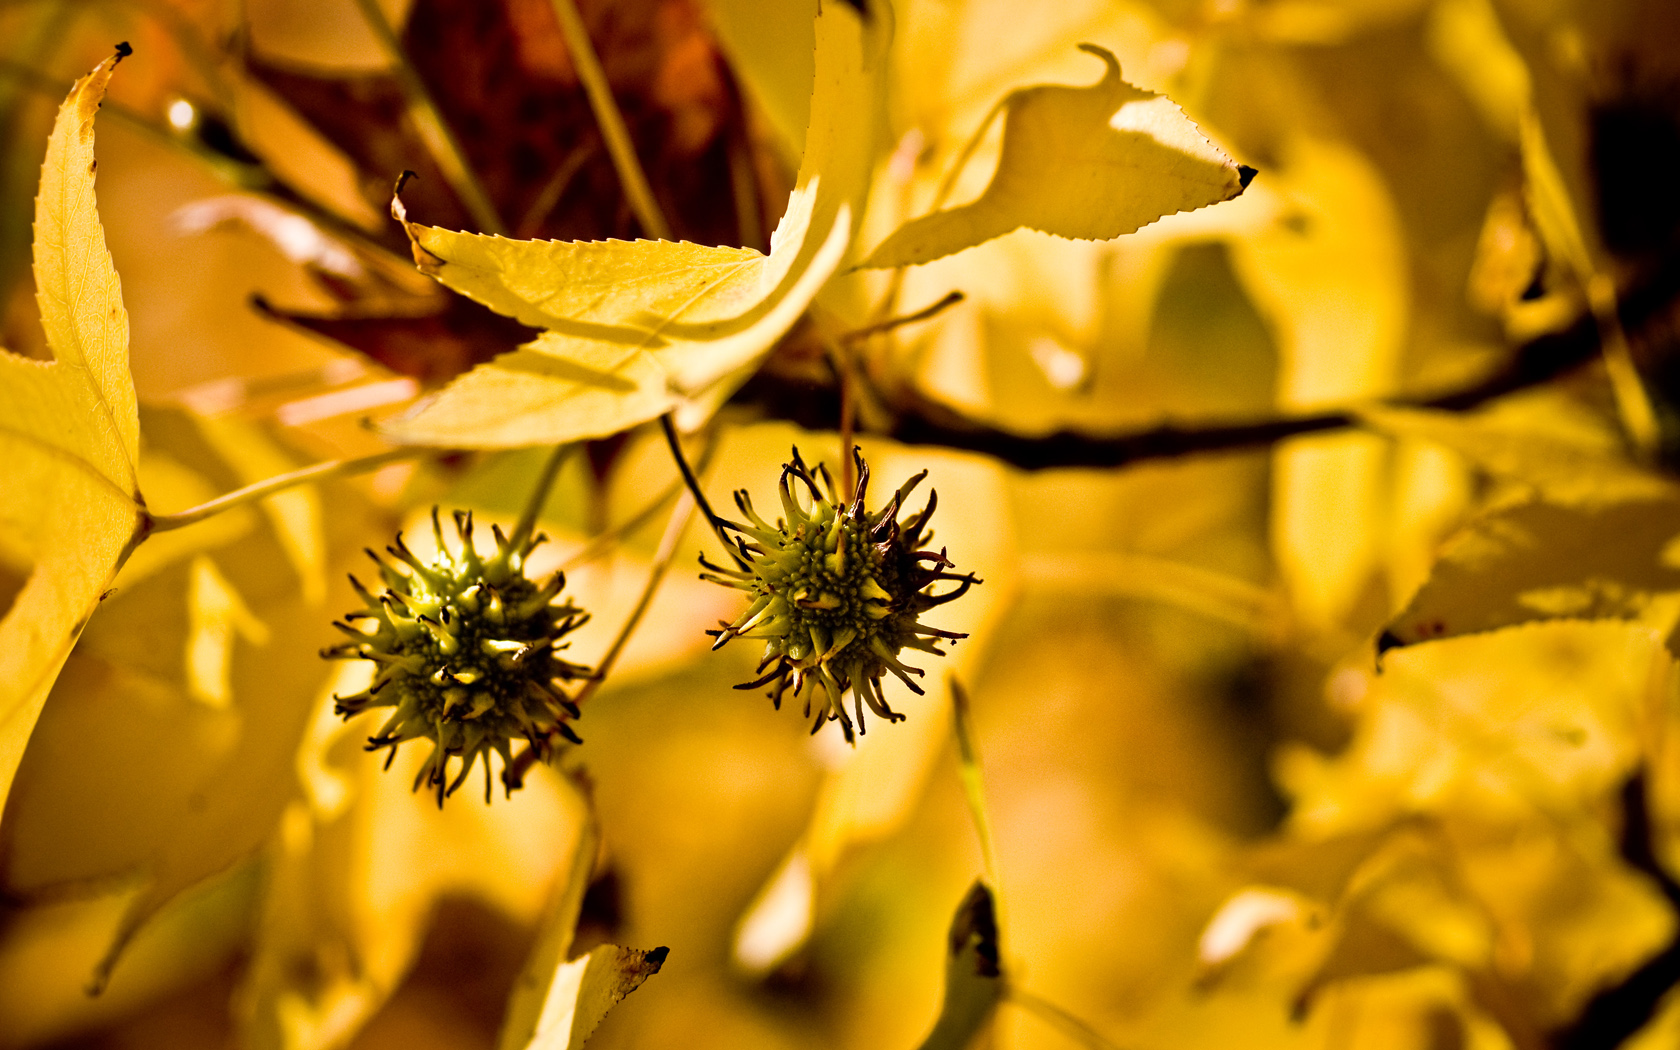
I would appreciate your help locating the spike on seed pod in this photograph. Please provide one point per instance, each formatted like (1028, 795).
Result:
(467, 650)
(836, 593)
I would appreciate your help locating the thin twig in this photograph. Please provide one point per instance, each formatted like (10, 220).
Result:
(946, 186)
(548, 198)
(251, 493)
(845, 369)
(921, 421)
(1633, 402)
(240, 175)
(619, 146)
(743, 187)
(951, 299)
(694, 489)
(610, 538)
(445, 148)
(674, 530)
(949, 182)
(968, 767)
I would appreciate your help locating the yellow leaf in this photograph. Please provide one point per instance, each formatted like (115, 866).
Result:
(1414, 1007)
(556, 388)
(609, 291)
(1546, 561)
(124, 746)
(120, 751)
(769, 48)
(1538, 454)
(69, 432)
(168, 750)
(48, 949)
(1328, 272)
(359, 868)
(527, 1006)
(1536, 723)
(1090, 163)
(586, 988)
(635, 329)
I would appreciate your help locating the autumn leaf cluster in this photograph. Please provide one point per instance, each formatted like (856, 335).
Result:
(1299, 376)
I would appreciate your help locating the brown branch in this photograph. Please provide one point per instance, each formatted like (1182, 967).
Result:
(920, 421)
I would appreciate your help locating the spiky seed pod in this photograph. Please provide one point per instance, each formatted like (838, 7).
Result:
(467, 650)
(836, 593)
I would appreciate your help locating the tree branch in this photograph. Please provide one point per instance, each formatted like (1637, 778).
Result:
(921, 421)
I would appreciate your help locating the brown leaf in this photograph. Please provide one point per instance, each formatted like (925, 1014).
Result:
(433, 346)
(503, 79)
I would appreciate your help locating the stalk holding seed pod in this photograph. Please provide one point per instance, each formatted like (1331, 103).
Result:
(837, 593)
(467, 649)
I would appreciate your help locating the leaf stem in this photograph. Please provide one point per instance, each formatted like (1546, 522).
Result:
(951, 299)
(539, 495)
(1633, 403)
(694, 489)
(949, 183)
(619, 147)
(251, 493)
(845, 367)
(434, 130)
(1059, 1019)
(968, 767)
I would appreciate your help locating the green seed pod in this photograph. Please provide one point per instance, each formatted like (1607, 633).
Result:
(836, 593)
(467, 649)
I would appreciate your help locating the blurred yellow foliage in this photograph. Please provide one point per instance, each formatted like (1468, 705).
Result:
(1323, 673)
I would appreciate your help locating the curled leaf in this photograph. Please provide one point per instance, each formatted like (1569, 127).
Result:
(1090, 163)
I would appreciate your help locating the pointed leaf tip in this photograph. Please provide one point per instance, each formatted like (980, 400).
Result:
(1085, 163)
(69, 429)
(976, 923)
(974, 981)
